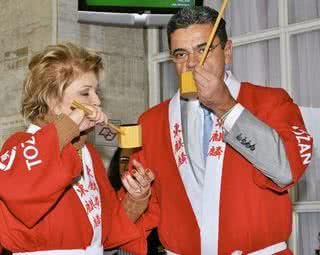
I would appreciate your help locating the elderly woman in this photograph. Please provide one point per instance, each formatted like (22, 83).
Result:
(55, 197)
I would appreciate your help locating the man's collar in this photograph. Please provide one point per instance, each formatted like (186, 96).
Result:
(232, 83)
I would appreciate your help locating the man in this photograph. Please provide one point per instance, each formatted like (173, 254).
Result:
(224, 191)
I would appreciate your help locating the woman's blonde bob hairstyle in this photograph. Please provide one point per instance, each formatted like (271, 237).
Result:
(51, 72)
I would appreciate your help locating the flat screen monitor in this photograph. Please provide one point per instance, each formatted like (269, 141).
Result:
(131, 12)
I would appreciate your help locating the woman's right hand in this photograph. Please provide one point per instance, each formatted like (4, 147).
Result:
(87, 121)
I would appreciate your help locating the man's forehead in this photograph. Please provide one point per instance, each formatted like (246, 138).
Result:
(204, 28)
(191, 41)
(193, 31)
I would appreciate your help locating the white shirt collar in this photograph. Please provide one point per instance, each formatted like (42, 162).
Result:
(232, 83)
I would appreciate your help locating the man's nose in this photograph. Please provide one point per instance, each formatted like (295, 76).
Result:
(192, 61)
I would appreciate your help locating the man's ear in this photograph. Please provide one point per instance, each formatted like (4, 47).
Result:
(228, 53)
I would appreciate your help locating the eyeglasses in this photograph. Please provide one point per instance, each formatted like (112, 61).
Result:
(180, 55)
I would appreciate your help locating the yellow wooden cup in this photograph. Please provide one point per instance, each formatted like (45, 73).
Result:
(130, 136)
(188, 86)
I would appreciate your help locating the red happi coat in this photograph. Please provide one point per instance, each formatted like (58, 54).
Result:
(254, 211)
(39, 209)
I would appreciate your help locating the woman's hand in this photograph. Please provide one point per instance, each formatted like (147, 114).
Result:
(139, 181)
(87, 121)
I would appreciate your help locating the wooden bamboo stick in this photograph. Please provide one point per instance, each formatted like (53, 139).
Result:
(88, 111)
(213, 33)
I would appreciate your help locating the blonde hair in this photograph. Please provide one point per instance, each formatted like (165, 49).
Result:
(51, 72)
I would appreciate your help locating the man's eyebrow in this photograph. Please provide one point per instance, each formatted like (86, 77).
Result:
(201, 45)
(182, 49)
(178, 49)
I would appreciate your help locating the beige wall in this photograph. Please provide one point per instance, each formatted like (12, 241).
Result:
(28, 26)
(25, 27)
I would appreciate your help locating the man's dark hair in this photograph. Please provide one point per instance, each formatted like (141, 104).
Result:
(197, 15)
